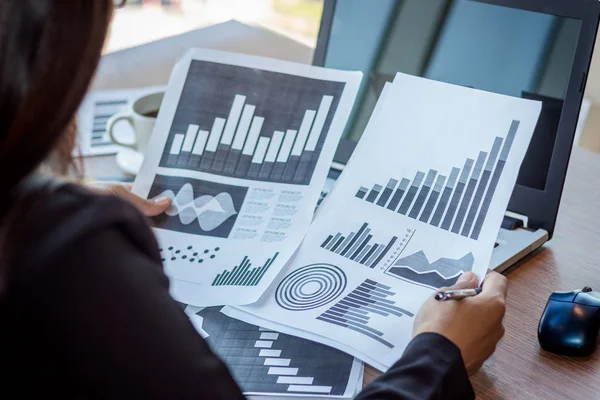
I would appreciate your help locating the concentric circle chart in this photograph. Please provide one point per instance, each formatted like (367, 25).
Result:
(310, 287)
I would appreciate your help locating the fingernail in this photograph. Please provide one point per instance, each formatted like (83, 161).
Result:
(162, 200)
(467, 277)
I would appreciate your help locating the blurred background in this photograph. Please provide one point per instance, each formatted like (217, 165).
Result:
(157, 19)
(143, 21)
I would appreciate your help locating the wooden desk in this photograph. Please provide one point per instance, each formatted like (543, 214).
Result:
(519, 369)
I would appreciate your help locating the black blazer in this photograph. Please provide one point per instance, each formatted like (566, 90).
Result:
(85, 312)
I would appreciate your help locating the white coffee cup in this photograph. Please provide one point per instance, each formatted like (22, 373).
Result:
(142, 124)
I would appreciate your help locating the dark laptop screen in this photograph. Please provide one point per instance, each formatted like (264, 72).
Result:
(465, 42)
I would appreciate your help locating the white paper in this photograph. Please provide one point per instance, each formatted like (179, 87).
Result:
(371, 257)
(95, 110)
(238, 213)
(336, 376)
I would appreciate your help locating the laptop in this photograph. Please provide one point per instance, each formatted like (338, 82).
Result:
(534, 49)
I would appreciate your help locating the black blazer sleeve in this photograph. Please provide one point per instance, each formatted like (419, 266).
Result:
(96, 289)
(431, 368)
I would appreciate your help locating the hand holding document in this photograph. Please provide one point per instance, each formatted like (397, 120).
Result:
(242, 146)
(420, 202)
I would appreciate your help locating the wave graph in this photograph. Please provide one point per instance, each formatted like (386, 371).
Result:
(210, 211)
(198, 207)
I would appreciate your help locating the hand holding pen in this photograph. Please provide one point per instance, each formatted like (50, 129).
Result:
(474, 323)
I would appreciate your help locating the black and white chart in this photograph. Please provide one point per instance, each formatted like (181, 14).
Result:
(357, 309)
(430, 181)
(457, 202)
(198, 207)
(270, 128)
(442, 272)
(244, 274)
(361, 247)
(263, 361)
(242, 146)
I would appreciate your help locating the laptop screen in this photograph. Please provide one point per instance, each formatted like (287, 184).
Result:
(465, 42)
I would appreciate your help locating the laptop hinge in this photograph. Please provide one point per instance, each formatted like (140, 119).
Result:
(513, 221)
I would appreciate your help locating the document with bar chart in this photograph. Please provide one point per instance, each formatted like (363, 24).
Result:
(242, 147)
(420, 202)
(266, 363)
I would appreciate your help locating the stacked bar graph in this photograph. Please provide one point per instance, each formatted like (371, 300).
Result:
(358, 246)
(251, 124)
(457, 202)
(355, 310)
(244, 274)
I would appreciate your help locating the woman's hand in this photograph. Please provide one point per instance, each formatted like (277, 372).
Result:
(149, 207)
(474, 324)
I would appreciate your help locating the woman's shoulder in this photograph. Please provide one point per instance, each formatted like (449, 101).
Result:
(67, 215)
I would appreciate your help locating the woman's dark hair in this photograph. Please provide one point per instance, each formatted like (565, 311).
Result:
(49, 51)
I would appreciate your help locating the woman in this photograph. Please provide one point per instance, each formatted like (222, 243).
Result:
(84, 303)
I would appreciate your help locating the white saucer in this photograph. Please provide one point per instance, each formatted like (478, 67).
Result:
(129, 160)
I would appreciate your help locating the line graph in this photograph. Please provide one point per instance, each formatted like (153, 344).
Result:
(198, 207)
(249, 123)
(416, 268)
(355, 311)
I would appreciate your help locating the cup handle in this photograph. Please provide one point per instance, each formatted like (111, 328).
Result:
(110, 125)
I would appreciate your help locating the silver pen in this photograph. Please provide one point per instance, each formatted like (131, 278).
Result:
(456, 294)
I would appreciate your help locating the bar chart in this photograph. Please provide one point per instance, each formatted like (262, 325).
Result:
(457, 202)
(271, 127)
(355, 310)
(265, 361)
(361, 247)
(244, 274)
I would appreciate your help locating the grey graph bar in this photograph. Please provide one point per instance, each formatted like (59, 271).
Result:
(331, 243)
(362, 192)
(412, 192)
(487, 172)
(375, 256)
(359, 239)
(387, 193)
(437, 189)
(338, 243)
(362, 254)
(495, 178)
(398, 194)
(326, 242)
(370, 253)
(464, 205)
(387, 248)
(345, 242)
(439, 211)
(460, 187)
(354, 239)
(362, 246)
(374, 193)
(416, 208)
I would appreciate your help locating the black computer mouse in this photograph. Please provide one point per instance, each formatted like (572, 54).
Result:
(570, 323)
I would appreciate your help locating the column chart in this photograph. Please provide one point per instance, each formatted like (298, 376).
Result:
(359, 246)
(270, 128)
(457, 202)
